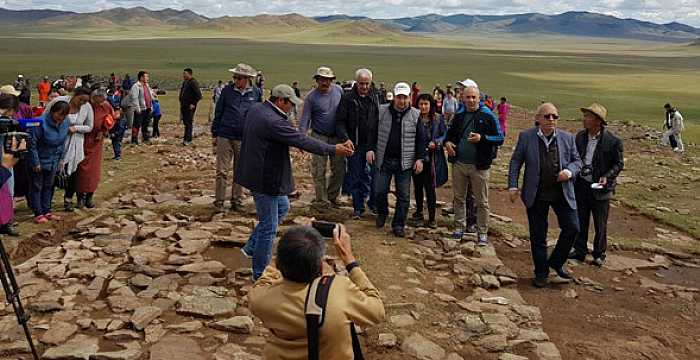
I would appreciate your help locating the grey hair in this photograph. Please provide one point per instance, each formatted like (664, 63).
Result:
(360, 72)
(472, 87)
(99, 92)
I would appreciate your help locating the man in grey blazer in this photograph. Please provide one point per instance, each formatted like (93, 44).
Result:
(551, 165)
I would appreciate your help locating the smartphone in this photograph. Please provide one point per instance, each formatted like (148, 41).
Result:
(325, 228)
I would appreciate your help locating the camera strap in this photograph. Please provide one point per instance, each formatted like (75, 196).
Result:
(315, 313)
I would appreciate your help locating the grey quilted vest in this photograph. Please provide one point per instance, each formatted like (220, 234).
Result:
(408, 136)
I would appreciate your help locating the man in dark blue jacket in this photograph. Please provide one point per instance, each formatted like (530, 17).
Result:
(472, 141)
(227, 130)
(265, 168)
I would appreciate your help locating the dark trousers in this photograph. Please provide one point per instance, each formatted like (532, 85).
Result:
(187, 116)
(141, 122)
(358, 179)
(71, 185)
(372, 201)
(537, 217)
(156, 126)
(391, 168)
(117, 135)
(423, 183)
(587, 205)
(41, 191)
(471, 207)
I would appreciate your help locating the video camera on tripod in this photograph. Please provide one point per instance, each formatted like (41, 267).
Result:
(11, 129)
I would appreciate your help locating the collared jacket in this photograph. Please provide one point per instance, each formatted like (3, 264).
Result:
(279, 303)
(137, 97)
(608, 159)
(485, 124)
(46, 143)
(347, 118)
(264, 165)
(527, 152)
(412, 137)
(190, 93)
(231, 110)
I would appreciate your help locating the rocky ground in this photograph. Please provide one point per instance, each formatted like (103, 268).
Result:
(154, 273)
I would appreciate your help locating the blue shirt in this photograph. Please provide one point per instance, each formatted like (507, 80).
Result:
(319, 111)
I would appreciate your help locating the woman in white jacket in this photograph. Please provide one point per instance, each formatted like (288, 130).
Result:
(81, 119)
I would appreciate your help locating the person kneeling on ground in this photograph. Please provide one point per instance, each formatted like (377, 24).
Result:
(278, 297)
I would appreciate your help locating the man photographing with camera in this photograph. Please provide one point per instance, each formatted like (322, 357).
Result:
(279, 299)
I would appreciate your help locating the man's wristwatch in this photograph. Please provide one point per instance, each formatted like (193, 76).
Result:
(351, 266)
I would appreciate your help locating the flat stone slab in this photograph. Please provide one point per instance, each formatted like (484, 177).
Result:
(622, 263)
(177, 347)
(206, 306)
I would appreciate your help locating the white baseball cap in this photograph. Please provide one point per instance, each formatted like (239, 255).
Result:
(402, 88)
(468, 83)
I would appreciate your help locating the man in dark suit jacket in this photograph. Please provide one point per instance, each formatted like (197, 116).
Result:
(551, 165)
(190, 94)
(601, 153)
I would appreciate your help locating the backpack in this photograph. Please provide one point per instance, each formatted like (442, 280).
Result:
(315, 312)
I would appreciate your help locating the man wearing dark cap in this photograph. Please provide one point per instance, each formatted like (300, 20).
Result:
(266, 170)
(602, 156)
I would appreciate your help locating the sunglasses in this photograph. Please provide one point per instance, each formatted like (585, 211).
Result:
(239, 77)
(550, 116)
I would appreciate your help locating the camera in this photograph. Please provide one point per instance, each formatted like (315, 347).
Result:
(587, 170)
(10, 129)
(324, 228)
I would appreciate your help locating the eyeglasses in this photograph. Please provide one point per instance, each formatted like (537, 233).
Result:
(239, 77)
(550, 116)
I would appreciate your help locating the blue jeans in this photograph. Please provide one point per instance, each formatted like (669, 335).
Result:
(359, 180)
(537, 216)
(391, 168)
(41, 191)
(117, 135)
(271, 211)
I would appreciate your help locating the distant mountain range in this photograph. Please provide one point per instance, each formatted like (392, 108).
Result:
(567, 24)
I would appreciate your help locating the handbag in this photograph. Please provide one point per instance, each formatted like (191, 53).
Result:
(441, 170)
(60, 180)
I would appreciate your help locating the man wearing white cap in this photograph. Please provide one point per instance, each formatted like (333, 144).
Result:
(398, 150)
(266, 170)
(471, 142)
(318, 115)
(227, 130)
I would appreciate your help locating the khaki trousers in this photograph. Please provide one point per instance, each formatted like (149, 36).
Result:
(463, 176)
(327, 189)
(227, 152)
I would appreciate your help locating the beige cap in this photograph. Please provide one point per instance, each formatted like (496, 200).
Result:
(243, 69)
(284, 91)
(9, 89)
(599, 111)
(324, 72)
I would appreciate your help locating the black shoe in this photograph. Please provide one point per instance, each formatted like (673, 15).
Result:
(577, 255)
(80, 201)
(417, 216)
(599, 261)
(381, 220)
(68, 205)
(471, 229)
(432, 224)
(89, 203)
(399, 232)
(562, 273)
(419, 223)
(9, 230)
(540, 282)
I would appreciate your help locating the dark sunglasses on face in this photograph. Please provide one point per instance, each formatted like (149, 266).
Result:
(550, 116)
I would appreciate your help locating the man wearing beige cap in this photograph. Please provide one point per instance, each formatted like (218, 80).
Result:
(266, 170)
(602, 155)
(227, 130)
(318, 115)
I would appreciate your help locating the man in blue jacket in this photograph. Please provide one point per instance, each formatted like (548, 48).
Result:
(552, 164)
(472, 141)
(266, 170)
(227, 130)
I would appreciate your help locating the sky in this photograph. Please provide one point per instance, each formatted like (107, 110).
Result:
(659, 11)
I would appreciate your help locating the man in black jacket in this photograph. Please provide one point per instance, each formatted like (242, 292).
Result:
(266, 170)
(471, 141)
(355, 119)
(602, 155)
(190, 94)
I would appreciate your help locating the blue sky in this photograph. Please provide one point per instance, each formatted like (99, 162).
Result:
(685, 11)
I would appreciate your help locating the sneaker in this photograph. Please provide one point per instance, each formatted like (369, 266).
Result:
(381, 220)
(356, 215)
(9, 230)
(599, 261)
(483, 240)
(458, 235)
(117, 158)
(246, 254)
(52, 217)
(40, 219)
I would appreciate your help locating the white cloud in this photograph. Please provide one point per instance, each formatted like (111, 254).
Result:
(685, 11)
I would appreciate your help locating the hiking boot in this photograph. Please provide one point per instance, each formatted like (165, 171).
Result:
(89, 203)
(68, 205)
(540, 282)
(9, 230)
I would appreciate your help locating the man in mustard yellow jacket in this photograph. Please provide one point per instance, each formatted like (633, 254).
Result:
(279, 295)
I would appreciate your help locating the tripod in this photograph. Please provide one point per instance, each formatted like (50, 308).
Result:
(9, 284)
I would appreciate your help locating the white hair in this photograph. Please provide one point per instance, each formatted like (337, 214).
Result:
(472, 87)
(365, 72)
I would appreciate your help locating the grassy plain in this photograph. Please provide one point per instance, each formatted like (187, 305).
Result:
(633, 84)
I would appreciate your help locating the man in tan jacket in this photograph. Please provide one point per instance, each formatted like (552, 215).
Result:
(278, 297)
